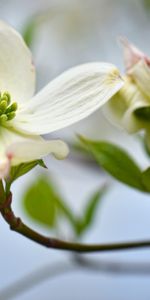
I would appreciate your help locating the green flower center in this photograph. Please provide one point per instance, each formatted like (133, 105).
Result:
(7, 108)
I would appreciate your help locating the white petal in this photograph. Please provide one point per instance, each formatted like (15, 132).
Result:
(141, 75)
(8, 137)
(115, 109)
(69, 98)
(22, 148)
(131, 122)
(120, 109)
(5, 164)
(31, 150)
(17, 73)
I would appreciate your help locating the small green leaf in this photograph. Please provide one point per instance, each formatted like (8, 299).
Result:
(41, 163)
(115, 161)
(39, 202)
(43, 205)
(24, 168)
(65, 211)
(90, 211)
(146, 179)
(51, 201)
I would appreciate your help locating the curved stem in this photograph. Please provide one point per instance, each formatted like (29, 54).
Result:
(17, 225)
(2, 193)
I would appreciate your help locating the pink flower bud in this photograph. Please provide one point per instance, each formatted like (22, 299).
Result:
(132, 55)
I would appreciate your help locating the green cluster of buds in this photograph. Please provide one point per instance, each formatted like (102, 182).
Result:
(7, 109)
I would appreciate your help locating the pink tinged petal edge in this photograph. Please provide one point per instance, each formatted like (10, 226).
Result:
(132, 55)
(5, 165)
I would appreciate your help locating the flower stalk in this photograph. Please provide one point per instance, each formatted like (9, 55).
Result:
(17, 225)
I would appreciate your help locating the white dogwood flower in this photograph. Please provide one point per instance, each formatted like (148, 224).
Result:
(67, 99)
(130, 107)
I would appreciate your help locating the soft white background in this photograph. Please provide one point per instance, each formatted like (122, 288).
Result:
(81, 31)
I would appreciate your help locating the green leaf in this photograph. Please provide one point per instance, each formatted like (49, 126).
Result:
(41, 163)
(66, 211)
(24, 168)
(39, 202)
(147, 5)
(48, 200)
(43, 205)
(146, 179)
(90, 211)
(115, 161)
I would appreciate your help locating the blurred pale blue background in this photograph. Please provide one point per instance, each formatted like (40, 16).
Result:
(74, 32)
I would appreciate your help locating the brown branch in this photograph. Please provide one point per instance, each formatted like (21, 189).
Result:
(17, 225)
